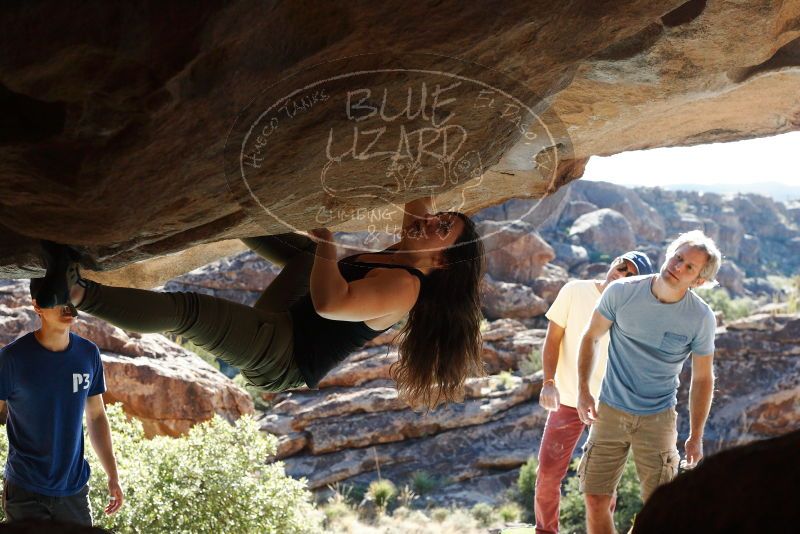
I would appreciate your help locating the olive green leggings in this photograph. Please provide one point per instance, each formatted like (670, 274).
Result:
(258, 340)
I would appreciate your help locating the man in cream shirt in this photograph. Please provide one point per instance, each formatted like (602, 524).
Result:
(569, 315)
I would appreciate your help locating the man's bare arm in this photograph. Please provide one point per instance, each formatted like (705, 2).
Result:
(549, 396)
(598, 326)
(100, 437)
(701, 392)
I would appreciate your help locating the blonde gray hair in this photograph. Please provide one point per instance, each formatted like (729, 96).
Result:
(698, 240)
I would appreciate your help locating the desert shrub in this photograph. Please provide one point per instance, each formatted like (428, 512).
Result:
(526, 482)
(731, 309)
(505, 380)
(439, 514)
(382, 492)
(483, 514)
(509, 513)
(355, 493)
(423, 482)
(406, 496)
(793, 300)
(212, 480)
(335, 511)
(629, 501)
(532, 363)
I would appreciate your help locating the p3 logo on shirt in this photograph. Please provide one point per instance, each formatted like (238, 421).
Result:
(79, 379)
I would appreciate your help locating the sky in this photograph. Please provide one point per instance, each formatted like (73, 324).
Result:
(766, 159)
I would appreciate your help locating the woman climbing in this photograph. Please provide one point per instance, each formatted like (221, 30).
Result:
(317, 310)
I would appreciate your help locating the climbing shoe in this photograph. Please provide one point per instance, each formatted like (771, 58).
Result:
(62, 274)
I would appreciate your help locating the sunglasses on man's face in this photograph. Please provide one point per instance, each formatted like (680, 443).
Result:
(624, 268)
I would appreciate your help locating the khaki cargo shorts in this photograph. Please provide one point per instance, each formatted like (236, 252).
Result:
(652, 438)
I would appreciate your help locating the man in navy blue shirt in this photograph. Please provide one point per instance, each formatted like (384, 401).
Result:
(48, 378)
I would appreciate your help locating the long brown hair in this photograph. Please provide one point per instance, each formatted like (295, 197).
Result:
(440, 344)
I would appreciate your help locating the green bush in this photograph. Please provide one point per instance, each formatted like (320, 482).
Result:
(440, 514)
(629, 501)
(407, 496)
(335, 511)
(526, 482)
(509, 513)
(213, 480)
(731, 309)
(382, 492)
(423, 482)
(532, 363)
(483, 514)
(505, 381)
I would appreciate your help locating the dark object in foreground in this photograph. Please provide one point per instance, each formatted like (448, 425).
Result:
(38, 526)
(752, 488)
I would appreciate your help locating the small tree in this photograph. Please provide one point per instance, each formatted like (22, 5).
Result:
(526, 482)
(212, 480)
(382, 492)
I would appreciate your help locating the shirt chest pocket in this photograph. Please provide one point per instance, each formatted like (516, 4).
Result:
(673, 343)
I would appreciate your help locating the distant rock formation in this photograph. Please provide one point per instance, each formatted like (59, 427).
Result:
(597, 220)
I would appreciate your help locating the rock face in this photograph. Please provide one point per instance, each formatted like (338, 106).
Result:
(604, 229)
(354, 424)
(757, 363)
(102, 149)
(241, 278)
(514, 252)
(506, 299)
(756, 235)
(166, 387)
(493, 429)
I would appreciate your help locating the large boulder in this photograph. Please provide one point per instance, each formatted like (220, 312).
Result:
(604, 230)
(647, 223)
(569, 255)
(515, 252)
(510, 300)
(731, 277)
(574, 209)
(552, 279)
(144, 181)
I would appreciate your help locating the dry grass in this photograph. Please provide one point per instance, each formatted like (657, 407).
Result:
(404, 521)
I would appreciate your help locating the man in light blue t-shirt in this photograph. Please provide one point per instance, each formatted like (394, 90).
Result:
(655, 322)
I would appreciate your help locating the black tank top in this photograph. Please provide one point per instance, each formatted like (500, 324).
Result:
(319, 343)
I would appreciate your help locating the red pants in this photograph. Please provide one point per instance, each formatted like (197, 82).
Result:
(561, 434)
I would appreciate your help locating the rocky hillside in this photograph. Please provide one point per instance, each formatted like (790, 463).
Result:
(596, 221)
(354, 426)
